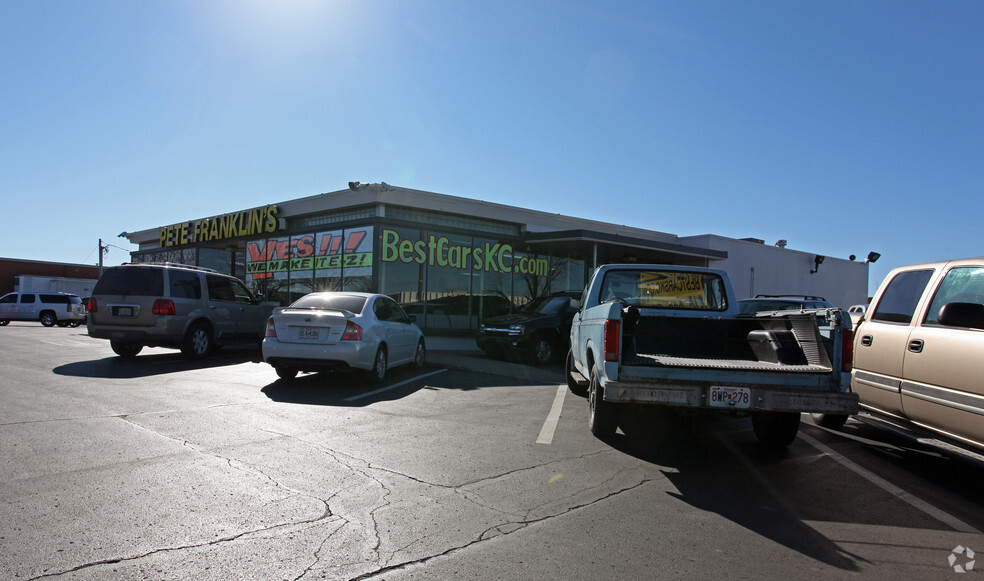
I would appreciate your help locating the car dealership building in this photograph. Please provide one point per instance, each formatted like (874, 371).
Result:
(452, 261)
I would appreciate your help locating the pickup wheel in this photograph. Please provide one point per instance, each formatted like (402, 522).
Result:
(776, 429)
(602, 415)
(831, 421)
(572, 384)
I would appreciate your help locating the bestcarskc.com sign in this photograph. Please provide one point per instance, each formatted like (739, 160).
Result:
(440, 251)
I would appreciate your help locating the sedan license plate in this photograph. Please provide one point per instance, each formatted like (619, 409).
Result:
(730, 397)
(308, 333)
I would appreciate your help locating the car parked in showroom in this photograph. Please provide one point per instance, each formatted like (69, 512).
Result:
(342, 331)
(49, 309)
(191, 308)
(540, 330)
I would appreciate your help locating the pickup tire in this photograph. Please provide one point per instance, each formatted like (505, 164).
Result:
(602, 415)
(776, 429)
(572, 384)
(831, 421)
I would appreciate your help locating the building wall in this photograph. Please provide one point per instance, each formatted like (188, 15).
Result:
(756, 268)
(12, 267)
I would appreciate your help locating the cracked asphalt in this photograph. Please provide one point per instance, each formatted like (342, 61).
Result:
(161, 468)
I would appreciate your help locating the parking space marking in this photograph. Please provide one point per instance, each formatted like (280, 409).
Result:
(394, 386)
(550, 424)
(892, 489)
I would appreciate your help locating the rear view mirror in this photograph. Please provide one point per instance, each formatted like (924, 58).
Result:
(969, 315)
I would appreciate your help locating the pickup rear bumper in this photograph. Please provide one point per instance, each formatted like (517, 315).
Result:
(761, 399)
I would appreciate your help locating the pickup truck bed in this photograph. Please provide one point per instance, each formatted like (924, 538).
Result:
(676, 341)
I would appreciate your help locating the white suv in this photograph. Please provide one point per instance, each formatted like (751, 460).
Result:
(50, 309)
(172, 305)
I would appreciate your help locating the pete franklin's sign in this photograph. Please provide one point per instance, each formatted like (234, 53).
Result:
(245, 223)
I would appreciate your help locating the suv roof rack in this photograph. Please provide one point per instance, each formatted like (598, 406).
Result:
(804, 297)
(173, 265)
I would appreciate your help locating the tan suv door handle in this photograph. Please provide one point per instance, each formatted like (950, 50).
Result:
(866, 340)
(916, 345)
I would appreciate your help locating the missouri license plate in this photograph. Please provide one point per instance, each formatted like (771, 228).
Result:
(124, 311)
(307, 333)
(730, 397)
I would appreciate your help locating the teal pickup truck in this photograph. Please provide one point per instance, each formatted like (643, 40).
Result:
(652, 340)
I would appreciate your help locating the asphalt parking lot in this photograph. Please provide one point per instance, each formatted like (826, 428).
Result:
(164, 468)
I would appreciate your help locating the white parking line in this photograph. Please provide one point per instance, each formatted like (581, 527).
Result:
(550, 424)
(887, 486)
(394, 386)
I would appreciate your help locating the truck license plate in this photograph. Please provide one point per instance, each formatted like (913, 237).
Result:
(307, 333)
(730, 397)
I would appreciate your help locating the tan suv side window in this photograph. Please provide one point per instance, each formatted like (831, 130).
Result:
(960, 285)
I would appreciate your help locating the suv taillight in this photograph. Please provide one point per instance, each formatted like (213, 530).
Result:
(352, 332)
(163, 307)
(613, 333)
(271, 329)
(93, 308)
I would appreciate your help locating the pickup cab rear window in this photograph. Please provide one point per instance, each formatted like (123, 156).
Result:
(667, 289)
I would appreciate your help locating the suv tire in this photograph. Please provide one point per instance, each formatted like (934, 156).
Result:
(542, 350)
(125, 349)
(48, 318)
(198, 342)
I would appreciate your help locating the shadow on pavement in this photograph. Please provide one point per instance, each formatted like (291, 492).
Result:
(153, 364)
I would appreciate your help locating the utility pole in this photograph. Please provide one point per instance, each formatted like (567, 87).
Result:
(101, 257)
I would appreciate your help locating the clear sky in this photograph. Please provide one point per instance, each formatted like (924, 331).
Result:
(840, 126)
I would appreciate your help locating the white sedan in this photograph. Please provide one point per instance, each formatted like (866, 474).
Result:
(342, 331)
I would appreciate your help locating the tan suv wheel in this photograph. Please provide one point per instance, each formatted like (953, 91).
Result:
(198, 341)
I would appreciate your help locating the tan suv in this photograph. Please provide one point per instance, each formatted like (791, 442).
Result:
(170, 305)
(917, 352)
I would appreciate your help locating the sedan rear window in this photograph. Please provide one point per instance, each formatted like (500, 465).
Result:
(144, 282)
(350, 303)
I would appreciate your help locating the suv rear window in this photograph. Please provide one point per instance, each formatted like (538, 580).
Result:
(144, 282)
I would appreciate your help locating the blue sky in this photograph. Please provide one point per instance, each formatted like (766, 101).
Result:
(840, 126)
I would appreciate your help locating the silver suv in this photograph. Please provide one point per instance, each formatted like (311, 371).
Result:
(171, 305)
(50, 309)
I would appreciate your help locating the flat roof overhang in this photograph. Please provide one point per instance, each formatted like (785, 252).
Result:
(609, 248)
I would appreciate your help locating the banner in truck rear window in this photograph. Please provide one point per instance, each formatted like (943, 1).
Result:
(665, 289)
